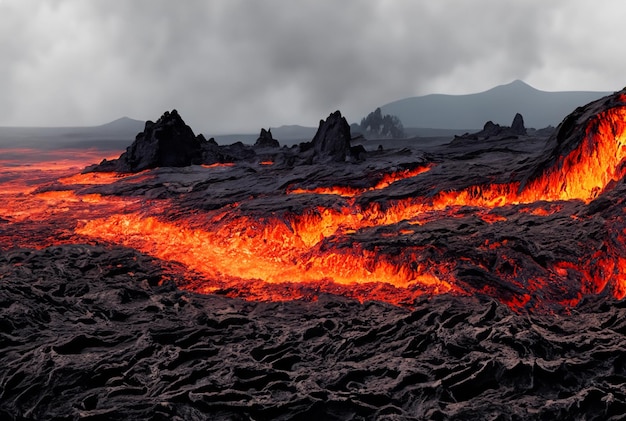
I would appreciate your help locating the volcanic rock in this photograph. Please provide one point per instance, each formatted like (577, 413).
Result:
(517, 127)
(495, 131)
(490, 129)
(171, 143)
(266, 140)
(358, 152)
(332, 139)
(520, 315)
(581, 126)
(203, 140)
(167, 143)
(88, 332)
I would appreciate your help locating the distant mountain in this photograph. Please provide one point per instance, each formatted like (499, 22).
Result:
(115, 135)
(294, 132)
(539, 108)
(121, 125)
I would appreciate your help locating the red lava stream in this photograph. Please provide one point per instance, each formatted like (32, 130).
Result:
(287, 256)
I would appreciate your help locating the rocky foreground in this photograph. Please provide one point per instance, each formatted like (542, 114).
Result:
(86, 332)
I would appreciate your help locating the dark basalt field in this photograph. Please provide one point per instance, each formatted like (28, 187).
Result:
(87, 335)
(480, 278)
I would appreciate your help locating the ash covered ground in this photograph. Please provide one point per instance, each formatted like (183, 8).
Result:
(503, 300)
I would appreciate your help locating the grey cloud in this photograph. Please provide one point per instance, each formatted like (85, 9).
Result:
(237, 65)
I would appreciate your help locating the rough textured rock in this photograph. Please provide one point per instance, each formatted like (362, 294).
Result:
(490, 129)
(358, 153)
(517, 126)
(212, 153)
(266, 140)
(332, 139)
(167, 143)
(495, 131)
(88, 332)
(171, 143)
(576, 128)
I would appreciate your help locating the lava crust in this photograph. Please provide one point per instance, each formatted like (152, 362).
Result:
(87, 332)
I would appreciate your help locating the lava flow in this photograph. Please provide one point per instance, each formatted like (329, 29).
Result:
(348, 191)
(521, 240)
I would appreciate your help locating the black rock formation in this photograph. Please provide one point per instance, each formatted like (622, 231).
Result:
(332, 139)
(266, 140)
(517, 127)
(492, 130)
(358, 152)
(171, 143)
(167, 143)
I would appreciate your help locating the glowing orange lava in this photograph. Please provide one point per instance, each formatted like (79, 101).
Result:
(314, 248)
(219, 165)
(346, 191)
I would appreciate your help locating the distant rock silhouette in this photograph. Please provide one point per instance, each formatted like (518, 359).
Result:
(266, 140)
(492, 130)
(332, 139)
(469, 111)
(517, 126)
(171, 143)
(167, 143)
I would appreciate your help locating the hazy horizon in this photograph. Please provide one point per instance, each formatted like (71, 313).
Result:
(123, 119)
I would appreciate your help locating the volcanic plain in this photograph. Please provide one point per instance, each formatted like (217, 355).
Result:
(475, 277)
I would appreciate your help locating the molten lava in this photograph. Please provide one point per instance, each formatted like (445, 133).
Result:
(293, 254)
(347, 191)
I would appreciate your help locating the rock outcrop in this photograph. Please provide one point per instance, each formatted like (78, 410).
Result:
(595, 130)
(167, 143)
(492, 130)
(171, 143)
(332, 139)
(517, 127)
(266, 140)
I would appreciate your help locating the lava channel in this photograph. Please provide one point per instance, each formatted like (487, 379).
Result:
(385, 249)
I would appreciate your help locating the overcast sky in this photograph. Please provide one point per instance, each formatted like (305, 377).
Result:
(239, 65)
